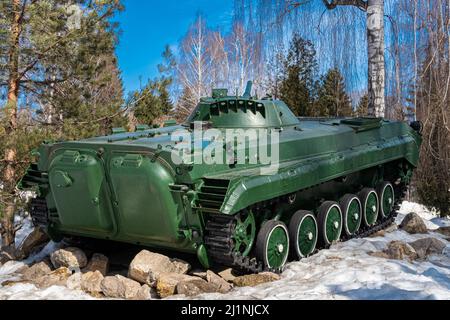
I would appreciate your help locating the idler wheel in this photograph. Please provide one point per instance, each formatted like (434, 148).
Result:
(386, 195)
(272, 245)
(352, 213)
(330, 222)
(244, 233)
(370, 204)
(303, 233)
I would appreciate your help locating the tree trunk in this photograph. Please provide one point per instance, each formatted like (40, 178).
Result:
(9, 174)
(375, 41)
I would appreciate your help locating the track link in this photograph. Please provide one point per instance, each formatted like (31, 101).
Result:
(219, 238)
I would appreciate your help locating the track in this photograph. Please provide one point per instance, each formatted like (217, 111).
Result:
(220, 228)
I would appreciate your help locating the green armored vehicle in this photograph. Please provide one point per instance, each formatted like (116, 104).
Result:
(327, 180)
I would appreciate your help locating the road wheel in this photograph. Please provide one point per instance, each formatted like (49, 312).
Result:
(329, 219)
(272, 244)
(352, 214)
(303, 232)
(370, 205)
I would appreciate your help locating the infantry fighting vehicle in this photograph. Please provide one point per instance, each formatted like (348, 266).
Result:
(336, 179)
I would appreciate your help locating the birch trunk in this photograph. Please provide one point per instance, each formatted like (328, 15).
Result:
(9, 174)
(376, 72)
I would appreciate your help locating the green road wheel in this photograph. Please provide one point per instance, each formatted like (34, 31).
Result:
(370, 204)
(244, 233)
(330, 222)
(386, 195)
(272, 245)
(352, 213)
(303, 233)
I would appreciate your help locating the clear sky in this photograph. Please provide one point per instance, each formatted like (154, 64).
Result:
(148, 25)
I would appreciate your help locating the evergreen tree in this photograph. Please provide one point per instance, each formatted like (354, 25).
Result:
(333, 101)
(363, 107)
(152, 102)
(299, 68)
(45, 47)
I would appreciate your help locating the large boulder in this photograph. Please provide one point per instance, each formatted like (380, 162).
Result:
(55, 278)
(147, 266)
(445, 231)
(72, 258)
(167, 283)
(413, 224)
(195, 287)
(36, 271)
(221, 285)
(428, 246)
(91, 282)
(119, 287)
(252, 280)
(399, 250)
(35, 240)
(98, 262)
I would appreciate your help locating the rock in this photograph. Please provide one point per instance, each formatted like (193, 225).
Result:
(72, 258)
(7, 254)
(399, 250)
(227, 275)
(413, 224)
(120, 287)
(445, 231)
(91, 282)
(147, 266)
(380, 233)
(98, 262)
(37, 238)
(167, 283)
(428, 246)
(195, 287)
(252, 280)
(36, 271)
(198, 273)
(379, 254)
(144, 293)
(55, 278)
(74, 281)
(222, 285)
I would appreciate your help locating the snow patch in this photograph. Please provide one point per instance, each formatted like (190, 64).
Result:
(345, 271)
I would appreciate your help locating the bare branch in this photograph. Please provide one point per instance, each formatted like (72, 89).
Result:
(332, 4)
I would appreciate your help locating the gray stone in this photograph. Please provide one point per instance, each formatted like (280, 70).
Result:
(428, 246)
(252, 280)
(55, 278)
(195, 287)
(399, 250)
(35, 240)
(222, 285)
(413, 224)
(98, 262)
(121, 288)
(167, 283)
(72, 258)
(91, 282)
(147, 266)
(36, 271)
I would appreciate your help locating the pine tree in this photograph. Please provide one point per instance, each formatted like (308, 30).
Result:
(44, 46)
(153, 101)
(362, 110)
(298, 81)
(333, 101)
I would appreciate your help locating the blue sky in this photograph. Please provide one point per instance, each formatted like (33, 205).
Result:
(148, 25)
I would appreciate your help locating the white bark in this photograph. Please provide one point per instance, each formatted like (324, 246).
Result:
(376, 46)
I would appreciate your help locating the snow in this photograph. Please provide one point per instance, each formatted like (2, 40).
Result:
(345, 271)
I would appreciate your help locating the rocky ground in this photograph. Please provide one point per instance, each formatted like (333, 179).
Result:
(410, 260)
